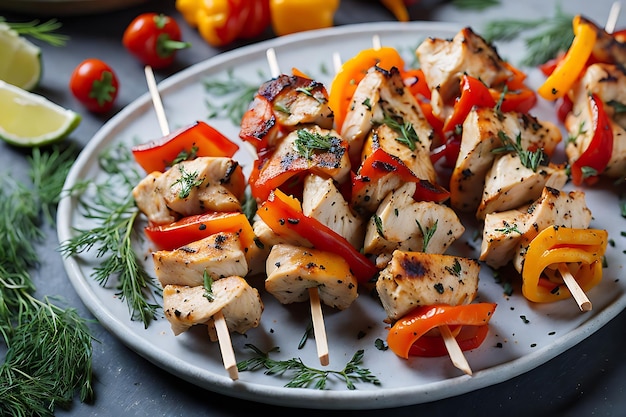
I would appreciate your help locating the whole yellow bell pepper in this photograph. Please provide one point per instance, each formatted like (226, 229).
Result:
(291, 16)
(581, 249)
(567, 71)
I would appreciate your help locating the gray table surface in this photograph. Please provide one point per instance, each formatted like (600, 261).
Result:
(588, 379)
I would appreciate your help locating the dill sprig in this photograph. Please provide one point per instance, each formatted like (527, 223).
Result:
(45, 31)
(239, 94)
(307, 142)
(475, 4)
(113, 209)
(552, 35)
(49, 348)
(306, 377)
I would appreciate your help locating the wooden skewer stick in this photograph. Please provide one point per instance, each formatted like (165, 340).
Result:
(318, 326)
(573, 287)
(613, 15)
(226, 346)
(454, 350)
(223, 335)
(319, 329)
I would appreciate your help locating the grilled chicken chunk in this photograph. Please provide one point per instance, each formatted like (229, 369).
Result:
(607, 48)
(322, 200)
(240, 304)
(381, 98)
(300, 151)
(283, 103)
(507, 234)
(292, 270)
(415, 279)
(220, 255)
(509, 184)
(608, 82)
(482, 131)
(445, 61)
(400, 223)
(191, 187)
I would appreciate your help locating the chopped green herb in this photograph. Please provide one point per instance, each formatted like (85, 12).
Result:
(475, 4)
(408, 136)
(508, 228)
(379, 225)
(455, 269)
(428, 233)
(308, 141)
(305, 376)
(188, 181)
(524, 319)
(208, 286)
(380, 344)
(530, 159)
(307, 332)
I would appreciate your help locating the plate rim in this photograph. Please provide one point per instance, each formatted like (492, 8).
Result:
(294, 397)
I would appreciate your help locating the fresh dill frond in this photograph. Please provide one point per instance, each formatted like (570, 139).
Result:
(187, 181)
(551, 35)
(45, 31)
(475, 4)
(49, 350)
(303, 376)
(238, 93)
(307, 142)
(111, 206)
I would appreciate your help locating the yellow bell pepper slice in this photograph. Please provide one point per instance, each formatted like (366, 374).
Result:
(581, 249)
(291, 16)
(565, 74)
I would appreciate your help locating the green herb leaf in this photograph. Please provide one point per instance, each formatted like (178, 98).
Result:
(408, 136)
(237, 93)
(428, 233)
(475, 4)
(530, 159)
(307, 142)
(43, 31)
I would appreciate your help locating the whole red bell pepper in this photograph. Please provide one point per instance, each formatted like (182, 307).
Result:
(198, 139)
(408, 331)
(598, 153)
(284, 216)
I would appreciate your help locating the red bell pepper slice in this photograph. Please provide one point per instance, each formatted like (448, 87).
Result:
(473, 94)
(414, 325)
(284, 216)
(449, 151)
(193, 228)
(381, 163)
(598, 153)
(198, 139)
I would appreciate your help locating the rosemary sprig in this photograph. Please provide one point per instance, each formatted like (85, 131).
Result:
(428, 233)
(307, 142)
(552, 35)
(43, 31)
(188, 181)
(307, 377)
(530, 159)
(49, 348)
(475, 4)
(113, 209)
(239, 94)
(408, 136)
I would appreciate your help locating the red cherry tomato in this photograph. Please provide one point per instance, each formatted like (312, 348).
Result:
(95, 85)
(154, 39)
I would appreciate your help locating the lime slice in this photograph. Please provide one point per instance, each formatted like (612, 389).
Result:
(20, 60)
(28, 119)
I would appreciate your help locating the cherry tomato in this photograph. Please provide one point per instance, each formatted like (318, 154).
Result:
(95, 85)
(154, 39)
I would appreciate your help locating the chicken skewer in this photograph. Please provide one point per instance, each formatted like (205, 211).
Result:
(317, 317)
(454, 351)
(223, 335)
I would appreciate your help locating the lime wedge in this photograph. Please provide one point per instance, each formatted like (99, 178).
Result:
(28, 119)
(20, 60)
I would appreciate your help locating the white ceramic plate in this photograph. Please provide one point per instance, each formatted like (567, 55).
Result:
(522, 335)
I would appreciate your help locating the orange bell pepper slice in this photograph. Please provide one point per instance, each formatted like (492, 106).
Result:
(581, 249)
(198, 139)
(414, 326)
(571, 66)
(352, 71)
